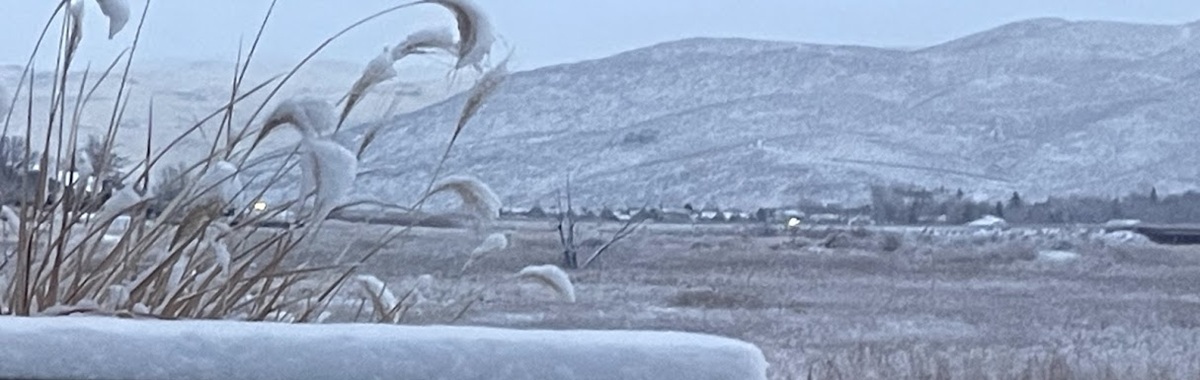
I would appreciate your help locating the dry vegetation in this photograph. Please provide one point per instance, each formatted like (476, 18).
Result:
(185, 241)
(932, 306)
(822, 303)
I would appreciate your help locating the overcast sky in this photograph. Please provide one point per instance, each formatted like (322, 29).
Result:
(548, 32)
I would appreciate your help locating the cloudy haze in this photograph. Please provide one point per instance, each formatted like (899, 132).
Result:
(547, 32)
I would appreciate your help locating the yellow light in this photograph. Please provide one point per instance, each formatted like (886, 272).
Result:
(793, 222)
(260, 206)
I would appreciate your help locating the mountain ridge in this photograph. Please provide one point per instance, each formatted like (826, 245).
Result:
(1043, 107)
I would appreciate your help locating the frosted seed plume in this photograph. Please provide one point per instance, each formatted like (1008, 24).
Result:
(310, 116)
(552, 277)
(375, 290)
(379, 70)
(117, 12)
(475, 36)
(334, 170)
(328, 168)
(426, 41)
(482, 89)
(494, 242)
(477, 198)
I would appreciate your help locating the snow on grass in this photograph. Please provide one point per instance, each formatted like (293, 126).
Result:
(94, 347)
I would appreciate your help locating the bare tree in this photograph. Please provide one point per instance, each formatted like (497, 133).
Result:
(567, 232)
(106, 163)
(16, 173)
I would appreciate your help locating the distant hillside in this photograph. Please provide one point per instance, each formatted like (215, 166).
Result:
(185, 92)
(1042, 106)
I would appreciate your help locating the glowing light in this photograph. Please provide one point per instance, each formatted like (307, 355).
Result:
(793, 222)
(260, 206)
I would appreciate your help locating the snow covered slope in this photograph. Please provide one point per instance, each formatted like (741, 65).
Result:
(106, 348)
(185, 92)
(1043, 106)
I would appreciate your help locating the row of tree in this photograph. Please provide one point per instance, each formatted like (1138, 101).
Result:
(20, 170)
(900, 204)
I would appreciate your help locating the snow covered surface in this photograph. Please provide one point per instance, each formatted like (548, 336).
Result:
(1122, 223)
(97, 347)
(988, 221)
(1057, 256)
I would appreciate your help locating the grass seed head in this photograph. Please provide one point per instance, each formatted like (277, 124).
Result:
(334, 170)
(552, 277)
(310, 116)
(117, 12)
(494, 242)
(378, 70)
(475, 36)
(426, 41)
(478, 94)
(477, 197)
(375, 290)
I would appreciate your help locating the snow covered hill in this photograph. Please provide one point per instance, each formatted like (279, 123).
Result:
(1042, 106)
(183, 93)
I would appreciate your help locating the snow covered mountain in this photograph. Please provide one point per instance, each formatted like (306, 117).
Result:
(1044, 106)
(183, 93)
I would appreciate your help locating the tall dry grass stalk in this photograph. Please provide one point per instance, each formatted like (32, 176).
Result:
(202, 251)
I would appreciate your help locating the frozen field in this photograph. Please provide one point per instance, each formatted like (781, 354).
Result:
(841, 303)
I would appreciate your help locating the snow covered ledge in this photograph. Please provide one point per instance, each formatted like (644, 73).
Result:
(109, 348)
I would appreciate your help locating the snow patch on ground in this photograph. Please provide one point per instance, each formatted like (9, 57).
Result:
(94, 347)
(1057, 256)
(988, 221)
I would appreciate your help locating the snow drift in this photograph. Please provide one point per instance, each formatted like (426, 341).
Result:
(96, 347)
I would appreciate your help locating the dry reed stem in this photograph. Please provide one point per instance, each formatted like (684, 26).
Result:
(172, 271)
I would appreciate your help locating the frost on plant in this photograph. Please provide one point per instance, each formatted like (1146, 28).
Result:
(475, 36)
(378, 70)
(329, 169)
(477, 197)
(553, 278)
(117, 12)
(426, 41)
(494, 242)
(154, 238)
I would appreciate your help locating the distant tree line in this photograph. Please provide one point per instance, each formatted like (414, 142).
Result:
(902, 204)
(19, 173)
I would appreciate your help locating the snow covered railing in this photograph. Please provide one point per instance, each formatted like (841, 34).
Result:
(110, 348)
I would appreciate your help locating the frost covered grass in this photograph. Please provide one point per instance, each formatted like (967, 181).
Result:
(190, 241)
(973, 307)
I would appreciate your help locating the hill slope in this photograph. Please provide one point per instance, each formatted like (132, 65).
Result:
(1042, 106)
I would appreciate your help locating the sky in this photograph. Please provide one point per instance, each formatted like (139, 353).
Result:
(547, 32)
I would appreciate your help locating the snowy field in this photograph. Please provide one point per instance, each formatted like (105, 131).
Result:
(837, 303)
